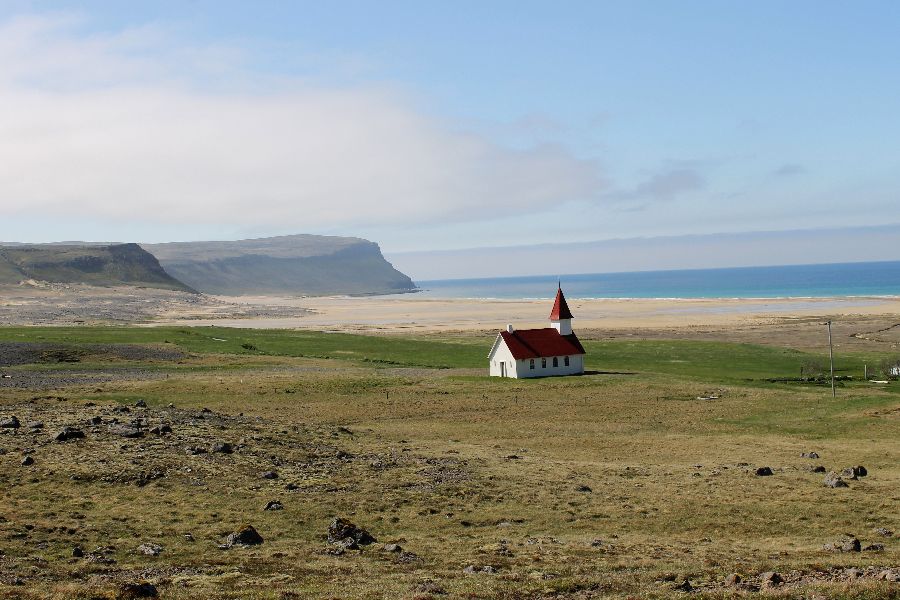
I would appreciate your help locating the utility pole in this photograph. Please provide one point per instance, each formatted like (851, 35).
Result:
(831, 355)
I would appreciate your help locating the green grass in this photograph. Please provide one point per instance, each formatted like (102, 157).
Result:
(718, 361)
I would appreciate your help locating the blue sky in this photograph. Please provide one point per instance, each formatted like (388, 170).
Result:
(447, 125)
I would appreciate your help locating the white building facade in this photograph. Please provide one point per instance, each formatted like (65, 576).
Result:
(552, 351)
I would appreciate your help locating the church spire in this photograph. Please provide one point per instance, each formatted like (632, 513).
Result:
(560, 307)
(561, 317)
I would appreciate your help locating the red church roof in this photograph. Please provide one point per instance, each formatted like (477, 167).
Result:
(538, 343)
(560, 308)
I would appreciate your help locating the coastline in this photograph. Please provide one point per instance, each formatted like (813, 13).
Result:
(416, 313)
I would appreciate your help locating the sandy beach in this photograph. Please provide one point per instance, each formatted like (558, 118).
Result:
(409, 312)
(864, 322)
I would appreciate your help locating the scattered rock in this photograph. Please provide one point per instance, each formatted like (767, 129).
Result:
(684, 586)
(849, 473)
(270, 475)
(195, 450)
(884, 532)
(10, 423)
(291, 487)
(392, 548)
(764, 471)
(845, 544)
(733, 580)
(222, 448)
(874, 548)
(150, 549)
(142, 589)
(274, 505)
(770, 579)
(833, 480)
(348, 535)
(245, 536)
(140, 404)
(817, 469)
(96, 420)
(860, 471)
(35, 425)
(77, 552)
(68, 433)
(126, 432)
(809, 455)
(27, 461)
(430, 587)
(583, 488)
(473, 569)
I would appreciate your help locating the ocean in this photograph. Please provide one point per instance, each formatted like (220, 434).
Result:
(796, 281)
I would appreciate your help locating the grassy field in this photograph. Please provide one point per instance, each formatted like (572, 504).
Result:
(621, 483)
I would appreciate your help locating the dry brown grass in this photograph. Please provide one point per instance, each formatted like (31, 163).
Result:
(427, 465)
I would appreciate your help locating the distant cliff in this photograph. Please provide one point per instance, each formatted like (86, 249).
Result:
(101, 265)
(294, 264)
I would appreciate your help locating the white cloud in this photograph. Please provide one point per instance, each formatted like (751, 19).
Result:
(135, 125)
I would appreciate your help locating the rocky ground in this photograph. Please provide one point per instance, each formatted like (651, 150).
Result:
(65, 304)
(131, 470)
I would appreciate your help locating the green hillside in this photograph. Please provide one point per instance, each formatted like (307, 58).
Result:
(115, 264)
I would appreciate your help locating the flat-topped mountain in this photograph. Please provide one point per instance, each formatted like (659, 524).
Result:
(101, 265)
(293, 264)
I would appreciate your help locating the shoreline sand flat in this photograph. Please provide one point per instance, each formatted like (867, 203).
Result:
(408, 313)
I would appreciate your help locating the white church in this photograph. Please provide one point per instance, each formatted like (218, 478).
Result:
(554, 350)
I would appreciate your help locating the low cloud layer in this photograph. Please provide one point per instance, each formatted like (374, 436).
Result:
(663, 186)
(135, 125)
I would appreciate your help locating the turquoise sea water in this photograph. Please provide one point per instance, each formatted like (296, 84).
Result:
(797, 281)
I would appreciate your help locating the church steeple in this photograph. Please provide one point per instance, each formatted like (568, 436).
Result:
(561, 317)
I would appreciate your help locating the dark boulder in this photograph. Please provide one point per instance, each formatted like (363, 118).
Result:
(141, 589)
(222, 448)
(770, 579)
(10, 423)
(245, 536)
(345, 533)
(68, 433)
(764, 471)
